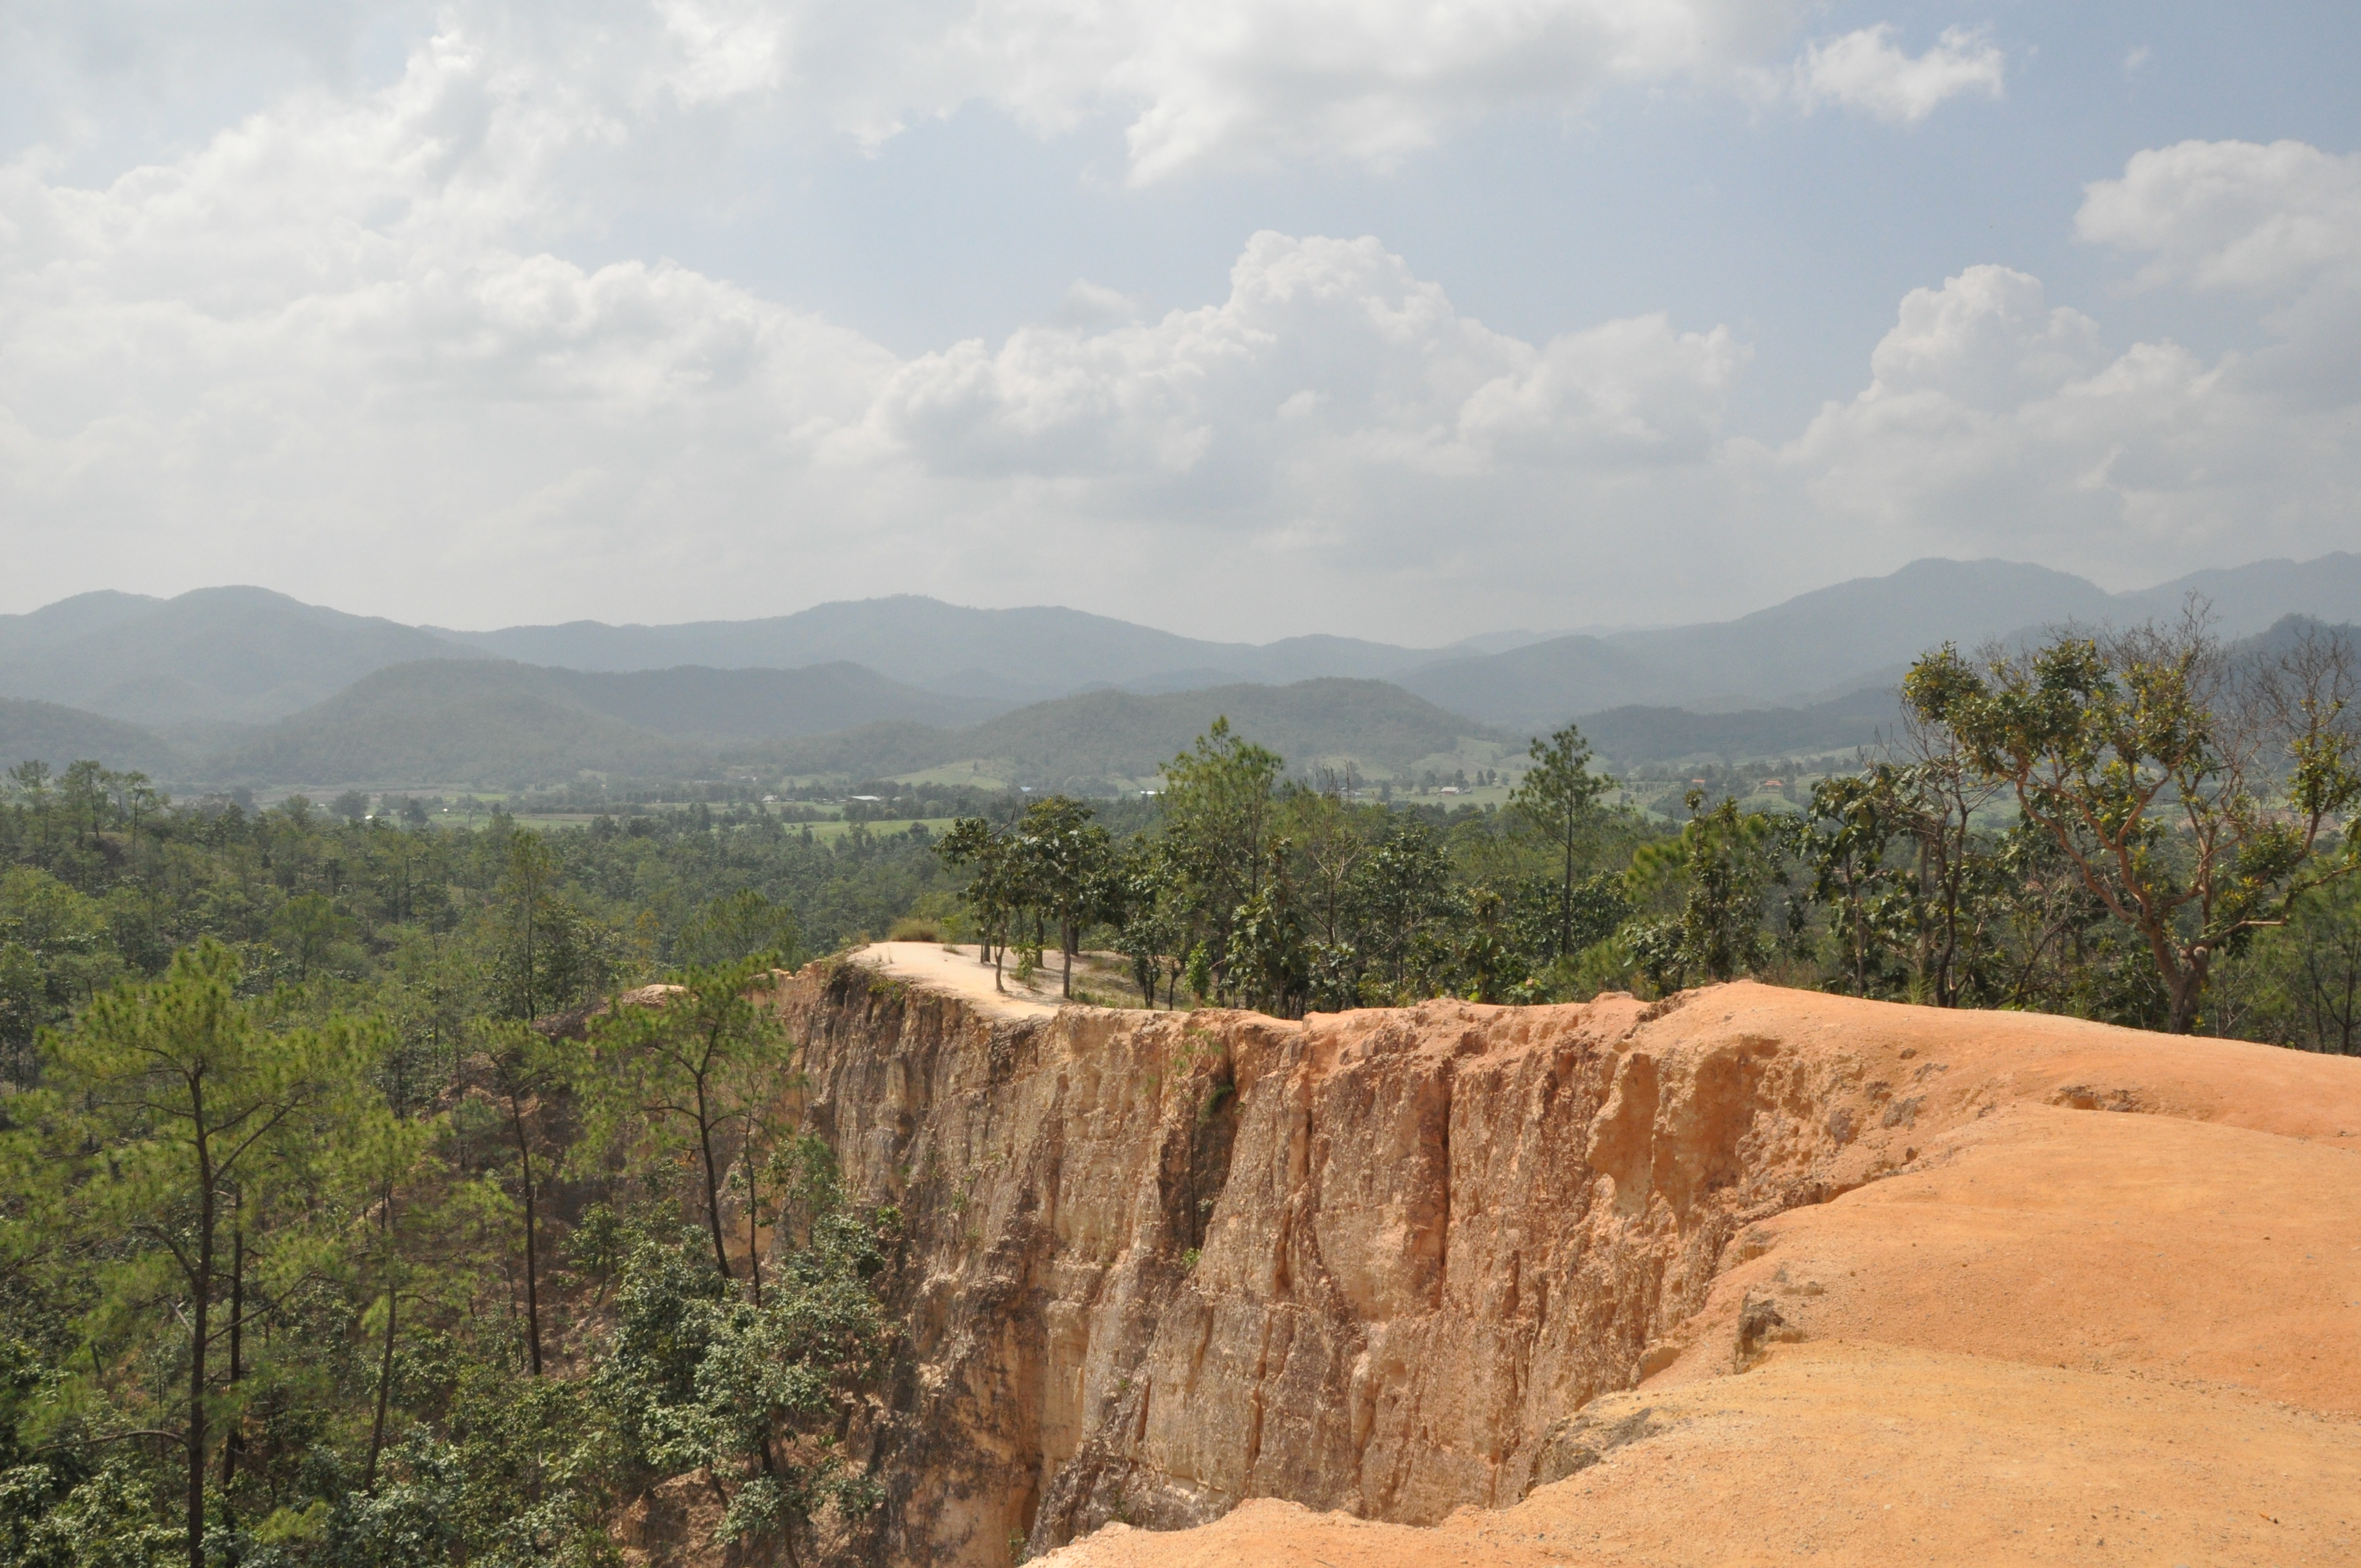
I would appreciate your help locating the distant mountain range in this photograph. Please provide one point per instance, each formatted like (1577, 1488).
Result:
(242, 684)
(1010, 656)
(1858, 634)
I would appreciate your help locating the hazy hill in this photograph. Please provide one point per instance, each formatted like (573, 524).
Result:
(493, 723)
(1008, 655)
(1816, 645)
(1848, 629)
(2247, 600)
(214, 653)
(71, 618)
(1129, 735)
(461, 722)
(200, 666)
(1625, 736)
(1830, 638)
(46, 732)
(702, 704)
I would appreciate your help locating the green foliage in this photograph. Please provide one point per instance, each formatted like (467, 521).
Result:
(1558, 799)
(1716, 879)
(756, 1394)
(1086, 741)
(689, 1077)
(299, 1112)
(2189, 788)
(2298, 984)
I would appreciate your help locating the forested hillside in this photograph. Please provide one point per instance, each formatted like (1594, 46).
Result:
(57, 736)
(1091, 741)
(317, 1214)
(491, 724)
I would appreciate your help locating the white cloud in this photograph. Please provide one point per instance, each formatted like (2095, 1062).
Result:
(327, 348)
(1997, 425)
(1213, 85)
(1340, 341)
(1867, 71)
(2233, 215)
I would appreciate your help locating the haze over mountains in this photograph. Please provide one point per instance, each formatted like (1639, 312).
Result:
(240, 685)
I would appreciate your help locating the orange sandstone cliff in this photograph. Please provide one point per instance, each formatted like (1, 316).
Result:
(1743, 1277)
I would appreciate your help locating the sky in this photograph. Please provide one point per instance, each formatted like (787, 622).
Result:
(1243, 318)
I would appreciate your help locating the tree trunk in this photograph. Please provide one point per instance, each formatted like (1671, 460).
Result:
(753, 1224)
(235, 1440)
(200, 1291)
(2188, 991)
(1067, 939)
(531, 1248)
(1565, 903)
(713, 1187)
(385, 1394)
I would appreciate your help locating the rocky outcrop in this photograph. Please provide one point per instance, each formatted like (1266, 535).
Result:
(1159, 1264)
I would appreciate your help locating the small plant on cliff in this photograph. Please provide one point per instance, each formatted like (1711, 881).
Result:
(757, 1398)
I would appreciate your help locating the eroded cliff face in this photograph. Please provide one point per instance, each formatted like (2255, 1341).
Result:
(1159, 1264)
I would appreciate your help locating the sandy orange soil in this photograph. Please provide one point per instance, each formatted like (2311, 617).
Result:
(2107, 1310)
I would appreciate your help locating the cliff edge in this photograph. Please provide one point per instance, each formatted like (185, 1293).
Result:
(1744, 1276)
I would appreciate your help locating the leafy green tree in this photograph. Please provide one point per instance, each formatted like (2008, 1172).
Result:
(1331, 840)
(1847, 844)
(55, 952)
(739, 925)
(1220, 819)
(1270, 965)
(1151, 930)
(520, 1070)
(1559, 797)
(686, 1068)
(1721, 870)
(1400, 890)
(2300, 984)
(551, 955)
(2190, 789)
(757, 1394)
(999, 887)
(183, 1097)
(308, 928)
(1066, 861)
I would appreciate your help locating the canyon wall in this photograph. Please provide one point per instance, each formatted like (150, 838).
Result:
(1158, 1264)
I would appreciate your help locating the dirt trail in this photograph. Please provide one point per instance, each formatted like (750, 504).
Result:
(2092, 1295)
(957, 971)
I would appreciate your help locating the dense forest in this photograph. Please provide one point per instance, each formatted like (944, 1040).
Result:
(365, 1204)
(334, 1235)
